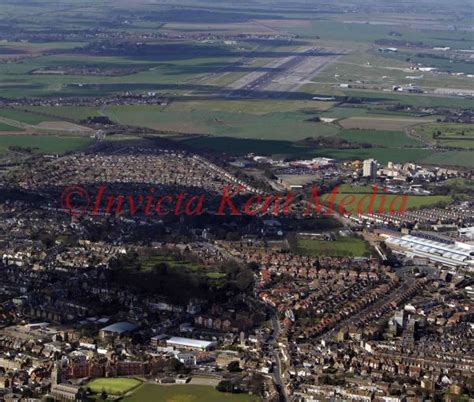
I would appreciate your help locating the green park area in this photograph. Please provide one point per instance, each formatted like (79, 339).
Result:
(359, 198)
(185, 393)
(113, 386)
(342, 246)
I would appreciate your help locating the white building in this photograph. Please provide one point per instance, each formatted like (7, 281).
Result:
(450, 255)
(369, 168)
(189, 344)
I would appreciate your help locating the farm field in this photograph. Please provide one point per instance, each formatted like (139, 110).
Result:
(447, 135)
(7, 127)
(185, 393)
(382, 123)
(113, 386)
(290, 125)
(46, 144)
(75, 113)
(341, 247)
(380, 138)
(451, 158)
(22, 116)
(241, 146)
(411, 99)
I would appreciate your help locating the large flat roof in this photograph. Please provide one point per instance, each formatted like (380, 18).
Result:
(120, 327)
(188, 342)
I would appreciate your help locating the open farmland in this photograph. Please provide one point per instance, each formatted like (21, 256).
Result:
(446, 135)
(380, 138)
(45, 144)
(9, 128)
(291, 125)
(381, 123)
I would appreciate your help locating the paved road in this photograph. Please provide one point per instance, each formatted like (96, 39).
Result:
(277, 377)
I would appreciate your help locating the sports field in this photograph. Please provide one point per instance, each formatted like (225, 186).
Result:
(341, 247)
(362, 197)
(113, 386)
(185, 393)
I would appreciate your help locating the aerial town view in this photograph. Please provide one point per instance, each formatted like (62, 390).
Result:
(236, 201)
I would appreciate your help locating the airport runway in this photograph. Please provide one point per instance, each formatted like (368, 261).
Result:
(286, 74)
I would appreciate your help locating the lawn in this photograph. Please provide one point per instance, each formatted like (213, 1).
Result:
(114, 386)
(341, 247)
(46, 144)
(185, 393)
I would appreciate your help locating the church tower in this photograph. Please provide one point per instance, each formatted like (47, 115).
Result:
(56, 374)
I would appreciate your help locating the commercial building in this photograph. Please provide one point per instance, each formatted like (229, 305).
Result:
(369, 168)
(450, 255)
(118, 329)
(190, 344)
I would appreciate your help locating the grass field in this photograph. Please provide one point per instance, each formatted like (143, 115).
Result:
(7, 127)
(380, 138)
(451, 158)
(148, 264)
(341, 247)
(46, 144)
(447, 135)
(75, 113)
(285, 125)
(185, 393)
(381, 123)
(113, 386)
(22, 116)
(362, 197)
(241, 146)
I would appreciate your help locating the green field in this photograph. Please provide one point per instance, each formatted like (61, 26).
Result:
(285, 125)
(448, 135)
(185, 393)
(22, 116)
(7, 127)
(113, 386)
(75, 113)
(341, 247)
(240, 146)
(362, 195)
(45, 144)
(451, 158)
(380, 138)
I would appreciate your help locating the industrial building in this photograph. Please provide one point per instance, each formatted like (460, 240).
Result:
(118, 329)
(451, 255)
(190, 344)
